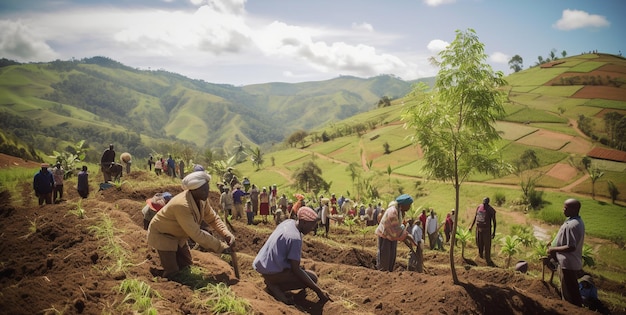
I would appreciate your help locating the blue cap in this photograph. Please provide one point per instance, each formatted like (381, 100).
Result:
(167, 196)
(404, 199)
(198, 168)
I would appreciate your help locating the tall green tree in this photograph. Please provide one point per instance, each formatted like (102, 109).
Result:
(309, 178)
(257, 157)
(454, 124)
(516, 63)
(595, 174)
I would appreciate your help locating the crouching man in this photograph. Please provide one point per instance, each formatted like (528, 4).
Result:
(180, 219)
(278, 261)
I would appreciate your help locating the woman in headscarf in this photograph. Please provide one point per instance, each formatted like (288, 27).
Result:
(180, 219)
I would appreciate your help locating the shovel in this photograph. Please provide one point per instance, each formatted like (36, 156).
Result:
(233, 254)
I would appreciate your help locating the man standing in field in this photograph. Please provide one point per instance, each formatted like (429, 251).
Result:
(485, 215)
(43, 184)
(567, 249)
(390, 231)
(107, 159)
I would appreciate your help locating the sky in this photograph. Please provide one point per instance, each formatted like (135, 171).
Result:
(242, 42)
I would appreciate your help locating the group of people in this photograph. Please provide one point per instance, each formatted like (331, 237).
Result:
(175, 219)
(172, 220)
(48, 183)
(167, 166)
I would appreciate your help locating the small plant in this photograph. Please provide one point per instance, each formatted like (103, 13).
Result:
(32, 229)
(79, 211)
(118, 184)
(139, 293)
(525, 234)
(221, 299)
(364, 232)
(463, 237)
(588, 256)
(350, 222)
(510, 247)
(111, 247)
(540, 250)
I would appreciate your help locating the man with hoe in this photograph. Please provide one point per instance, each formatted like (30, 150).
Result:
(390, 230)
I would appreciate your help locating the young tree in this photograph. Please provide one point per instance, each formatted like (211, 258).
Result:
(595, 174)
(516, 63)
(613, 191)
(257, 157)
(454, 123)
(523, 168)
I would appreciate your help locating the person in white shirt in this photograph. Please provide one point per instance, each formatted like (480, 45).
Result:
(431, 229)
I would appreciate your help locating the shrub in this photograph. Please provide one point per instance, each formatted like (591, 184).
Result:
(500, 198)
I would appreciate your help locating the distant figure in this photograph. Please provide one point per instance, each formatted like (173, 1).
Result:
(158, 167)
(226, 200)
(422, 218)
(228, 175)
(238, 202)
(448, 226)
(43, 184)
(83, 183)
(58, 173)
(254, 198)
(107, 159)
(171, 166)
(325, 215)
(150, 163)
(126, 160)
(264, 204)
(181, 168)
(567, 249)
(246, 184)
(485, 216)
(432, 225)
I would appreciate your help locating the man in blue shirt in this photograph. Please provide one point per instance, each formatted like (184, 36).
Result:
(278, 261)
(238, 195)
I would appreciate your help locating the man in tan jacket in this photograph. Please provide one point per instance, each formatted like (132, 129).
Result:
(180, 219)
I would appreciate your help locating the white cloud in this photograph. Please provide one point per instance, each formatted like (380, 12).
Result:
(210, 29)
(18, 41)
(575, 19)
(434, 3)
(295, 42)
(363, 27)
(499, 57)
(437, 45)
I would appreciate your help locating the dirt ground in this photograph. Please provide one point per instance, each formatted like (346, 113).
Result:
(51, 263)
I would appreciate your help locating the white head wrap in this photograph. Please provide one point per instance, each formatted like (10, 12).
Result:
(195, 180)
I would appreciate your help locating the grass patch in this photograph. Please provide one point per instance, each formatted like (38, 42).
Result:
(567, 90)
(220, 299)
(139, 294)
(112, 248)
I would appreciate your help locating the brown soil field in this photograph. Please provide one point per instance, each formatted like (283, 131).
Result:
(52, 263)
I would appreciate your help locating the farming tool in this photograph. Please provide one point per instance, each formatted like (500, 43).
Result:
(233, 253)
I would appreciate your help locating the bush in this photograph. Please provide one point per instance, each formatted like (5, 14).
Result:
(535, 199)
(500, 198)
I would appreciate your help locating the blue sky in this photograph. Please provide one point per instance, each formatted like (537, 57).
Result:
(257, 41)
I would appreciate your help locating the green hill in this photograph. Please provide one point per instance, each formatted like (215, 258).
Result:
(103, 101)
(541, 114)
